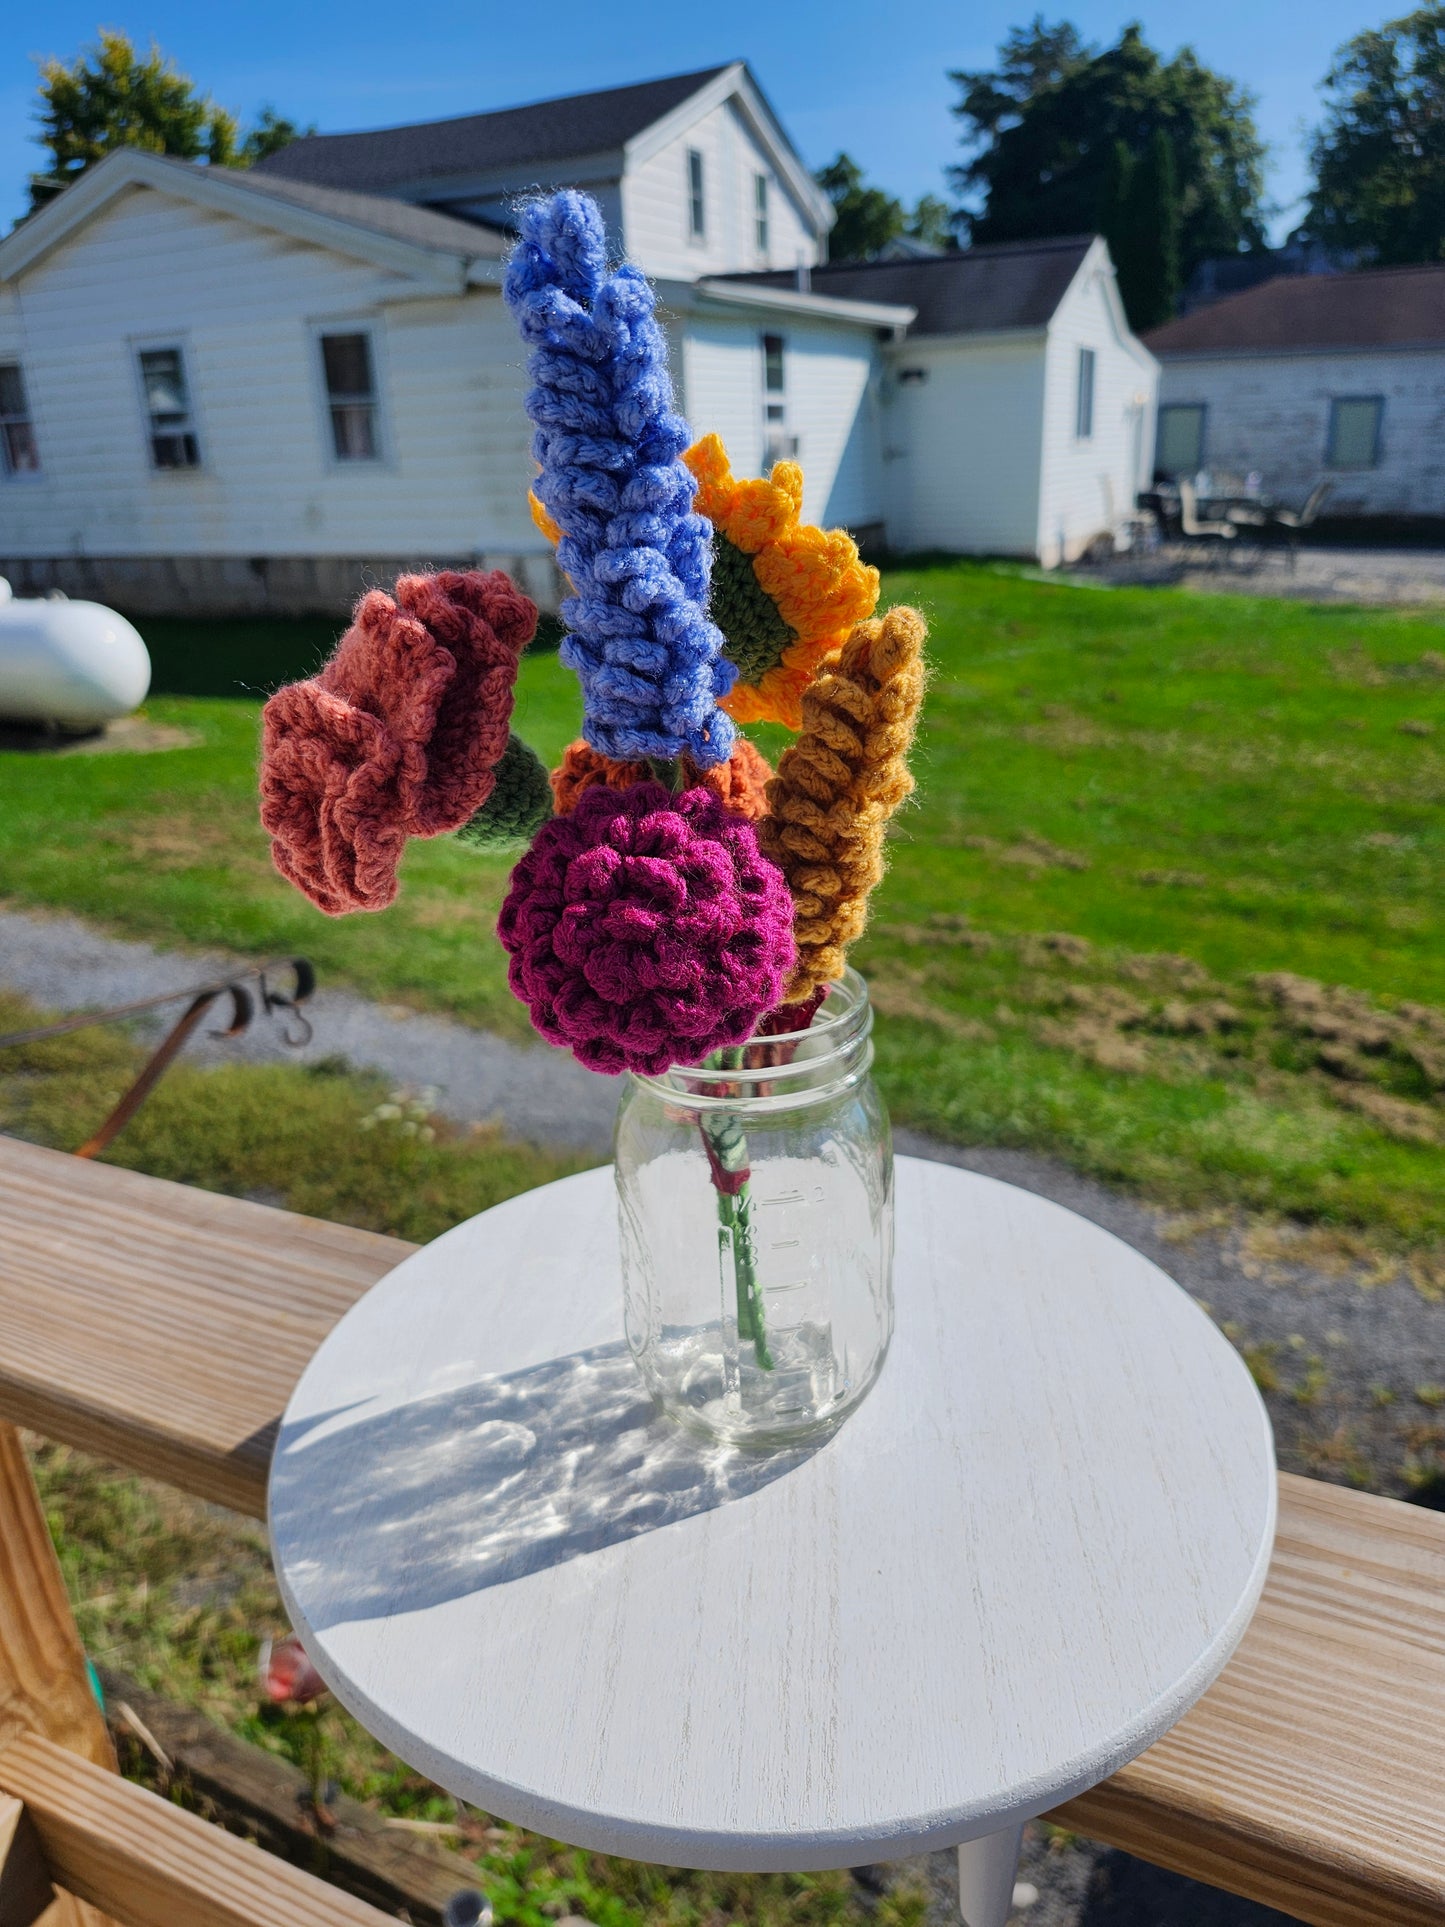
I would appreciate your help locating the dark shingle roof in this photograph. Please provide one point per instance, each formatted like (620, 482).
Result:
(402, 221)
(514, 137)
(1010, 284)
(1377, 308)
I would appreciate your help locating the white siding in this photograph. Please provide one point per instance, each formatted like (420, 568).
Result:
(1271, 413)
(831, 399)
(655, 205)
(244, 304)
(961, 445)
(1090, 483)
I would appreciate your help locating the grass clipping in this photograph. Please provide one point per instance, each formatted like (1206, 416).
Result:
(838, 785)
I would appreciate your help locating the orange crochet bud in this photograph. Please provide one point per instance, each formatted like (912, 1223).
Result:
(837, 786)
(784, 594)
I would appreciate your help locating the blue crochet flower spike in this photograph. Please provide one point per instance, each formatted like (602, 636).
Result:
(609, 443)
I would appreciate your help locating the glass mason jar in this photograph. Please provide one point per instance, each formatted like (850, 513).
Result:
(755, 1195)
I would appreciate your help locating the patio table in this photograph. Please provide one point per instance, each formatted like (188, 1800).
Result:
(1027, 1553)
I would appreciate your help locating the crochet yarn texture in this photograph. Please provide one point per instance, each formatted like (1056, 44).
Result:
(608, 444)
(646, 929)
(740, 784)
(784, 594)
(397, 736)
(520, 802)
(837, 786)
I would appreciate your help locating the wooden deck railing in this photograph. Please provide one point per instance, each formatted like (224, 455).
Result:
(164, 1328)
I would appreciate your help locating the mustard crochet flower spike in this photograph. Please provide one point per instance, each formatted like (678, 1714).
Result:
(784, 595)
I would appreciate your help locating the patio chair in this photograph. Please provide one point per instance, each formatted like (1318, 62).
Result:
(1200, 530)
(1291, 523)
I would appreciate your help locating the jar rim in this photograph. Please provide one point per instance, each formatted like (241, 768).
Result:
(841, 1028)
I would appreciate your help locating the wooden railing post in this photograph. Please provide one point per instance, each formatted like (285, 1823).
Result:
(44, 1682)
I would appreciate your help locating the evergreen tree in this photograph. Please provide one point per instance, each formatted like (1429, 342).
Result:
(1044, 125)
(868, 219)
(1151, 292)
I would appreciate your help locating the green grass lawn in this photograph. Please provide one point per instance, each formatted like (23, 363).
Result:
(1133, 806)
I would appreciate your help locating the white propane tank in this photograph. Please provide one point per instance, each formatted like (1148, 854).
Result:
(69, 665)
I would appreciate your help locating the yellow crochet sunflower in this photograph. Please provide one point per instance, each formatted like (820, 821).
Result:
(783, 594)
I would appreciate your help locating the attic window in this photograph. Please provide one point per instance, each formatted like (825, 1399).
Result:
(696, 209)
(760, 213)
(350, 396)
(18, 452)
(168, 409)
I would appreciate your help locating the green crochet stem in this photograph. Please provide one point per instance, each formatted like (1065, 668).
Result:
(520, 802)
(728, 1157)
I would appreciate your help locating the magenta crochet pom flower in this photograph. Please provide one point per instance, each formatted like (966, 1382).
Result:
(646, 929)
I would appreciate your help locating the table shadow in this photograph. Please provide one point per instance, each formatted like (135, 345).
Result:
(473, 1487)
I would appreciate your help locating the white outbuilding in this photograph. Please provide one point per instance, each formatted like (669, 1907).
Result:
(1336, 378)
(253, 391)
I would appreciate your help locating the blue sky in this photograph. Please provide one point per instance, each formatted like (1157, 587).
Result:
(837, 77)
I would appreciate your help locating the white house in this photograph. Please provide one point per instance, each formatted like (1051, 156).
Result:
(225, 390)
(1310, 378)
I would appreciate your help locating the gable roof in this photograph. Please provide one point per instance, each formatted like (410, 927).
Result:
(436, 251)
(424, 226)
(983, 290)
(512, 137)
(1372, 308)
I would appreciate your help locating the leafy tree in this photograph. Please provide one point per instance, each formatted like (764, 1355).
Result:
(1379, 156)
(110, 96)
(932, 222)
(1045, 125)
(869, 218)
(271, 133)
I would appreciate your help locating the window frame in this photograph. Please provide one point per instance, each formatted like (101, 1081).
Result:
(696, 197)
(1331, 460)
(1199, 408)
(318, 328)
(779, 443)
(180, 346)
(365, 331)
(762, 214)
(8, 472)
(1086, 364)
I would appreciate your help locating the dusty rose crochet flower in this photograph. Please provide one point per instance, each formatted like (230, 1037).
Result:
(399, 735)
(741, 782)
(646, 929)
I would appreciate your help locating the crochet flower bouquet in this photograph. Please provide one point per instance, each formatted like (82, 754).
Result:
(676, 899)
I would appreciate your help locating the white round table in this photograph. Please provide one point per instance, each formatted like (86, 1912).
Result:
(1032, 1547)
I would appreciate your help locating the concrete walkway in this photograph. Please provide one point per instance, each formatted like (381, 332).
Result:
(540, 1094)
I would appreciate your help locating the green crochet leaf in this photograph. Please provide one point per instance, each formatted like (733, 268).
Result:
(518, 806)
(754, 634)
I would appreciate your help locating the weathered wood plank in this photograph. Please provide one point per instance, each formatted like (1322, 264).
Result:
(152, 1864)
(1309, 1776)
(25, 1888)
(165, 1328)
(43, 1683)
(161, 1326)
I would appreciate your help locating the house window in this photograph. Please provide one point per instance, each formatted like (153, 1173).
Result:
(18, 452)
(168, 407)
(1179, 441)
(760, 212)
(778, 444)
(351, 396)
(696, 211)
(1354, 437)
(1084, 402)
